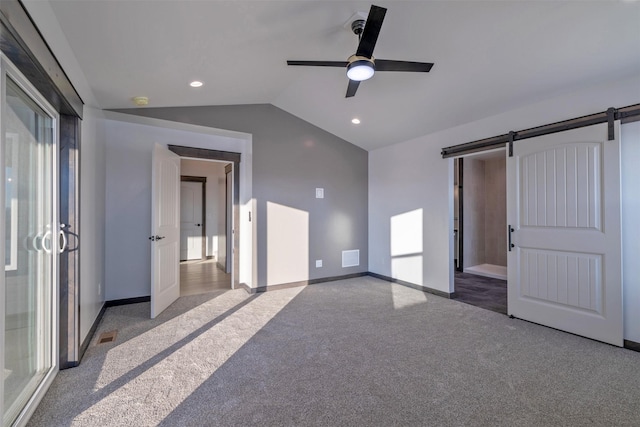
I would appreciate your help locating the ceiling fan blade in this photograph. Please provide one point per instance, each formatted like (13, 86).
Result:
(352, 88)
(389, 65)
(319, 63)
(371, 31)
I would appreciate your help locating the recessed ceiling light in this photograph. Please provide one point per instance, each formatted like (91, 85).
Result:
(355, 121)
(196, 83)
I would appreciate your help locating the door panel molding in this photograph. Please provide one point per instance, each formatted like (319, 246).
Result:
(569, 279)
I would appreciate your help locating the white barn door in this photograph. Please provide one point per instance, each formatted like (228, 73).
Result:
(563, 205)
(165, 229)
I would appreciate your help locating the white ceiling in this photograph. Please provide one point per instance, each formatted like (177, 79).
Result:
(490, 57)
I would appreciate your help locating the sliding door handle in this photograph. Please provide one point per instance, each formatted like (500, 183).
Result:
(509, 231)
(62, 242)
(46, 238)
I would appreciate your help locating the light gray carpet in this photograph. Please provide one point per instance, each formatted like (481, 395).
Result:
(354, 352)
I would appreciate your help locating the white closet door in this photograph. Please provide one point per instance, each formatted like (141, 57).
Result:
(564, 270)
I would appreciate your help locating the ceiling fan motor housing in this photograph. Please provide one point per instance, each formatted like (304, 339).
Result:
(361, 60)
(357, 27)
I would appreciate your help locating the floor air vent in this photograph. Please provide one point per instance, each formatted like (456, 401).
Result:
(107, 337)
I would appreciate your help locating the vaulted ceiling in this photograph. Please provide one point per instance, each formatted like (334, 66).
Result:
(490, 57)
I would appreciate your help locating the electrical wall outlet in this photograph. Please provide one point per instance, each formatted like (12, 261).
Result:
(318, 263)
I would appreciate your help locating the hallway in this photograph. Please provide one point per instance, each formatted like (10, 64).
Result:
(198, 277)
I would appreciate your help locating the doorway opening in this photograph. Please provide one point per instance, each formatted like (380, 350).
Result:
(205, 227)
(479, 229)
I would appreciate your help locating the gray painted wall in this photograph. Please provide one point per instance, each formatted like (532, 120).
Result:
(291, 158)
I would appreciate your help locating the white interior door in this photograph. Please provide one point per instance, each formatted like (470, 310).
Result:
(191, 220)
(165, 229)
(563, 198)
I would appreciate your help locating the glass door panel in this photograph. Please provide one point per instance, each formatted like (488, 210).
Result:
(30, 247)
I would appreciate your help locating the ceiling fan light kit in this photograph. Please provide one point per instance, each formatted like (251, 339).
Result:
(362, 66)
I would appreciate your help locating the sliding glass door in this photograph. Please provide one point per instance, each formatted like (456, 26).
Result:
(32, 244)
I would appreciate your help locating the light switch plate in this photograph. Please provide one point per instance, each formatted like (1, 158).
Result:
(319, 193)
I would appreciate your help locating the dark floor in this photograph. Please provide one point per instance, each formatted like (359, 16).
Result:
(483, 292)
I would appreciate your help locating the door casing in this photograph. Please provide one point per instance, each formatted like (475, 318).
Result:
(234, 158)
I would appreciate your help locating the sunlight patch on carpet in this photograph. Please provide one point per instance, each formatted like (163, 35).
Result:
(404, 297)
(171, 380)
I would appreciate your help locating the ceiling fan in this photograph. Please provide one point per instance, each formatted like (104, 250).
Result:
(362, 65)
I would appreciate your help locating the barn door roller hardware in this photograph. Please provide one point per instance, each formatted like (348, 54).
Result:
(512, 136)
(626, 114)
(611, 116)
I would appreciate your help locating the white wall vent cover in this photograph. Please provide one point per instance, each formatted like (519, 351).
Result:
(351, 258)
